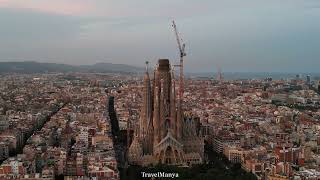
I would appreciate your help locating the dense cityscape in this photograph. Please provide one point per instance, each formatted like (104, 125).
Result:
(58, 124)
(234, 95)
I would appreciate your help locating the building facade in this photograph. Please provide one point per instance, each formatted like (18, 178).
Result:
(165, 134)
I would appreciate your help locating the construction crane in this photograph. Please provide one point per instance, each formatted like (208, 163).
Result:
(182, 52)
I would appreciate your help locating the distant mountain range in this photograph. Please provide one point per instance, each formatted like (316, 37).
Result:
(253, 75)
(29, 67)
(37, 67)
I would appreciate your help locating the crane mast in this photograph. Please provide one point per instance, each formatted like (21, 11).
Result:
(182, 52)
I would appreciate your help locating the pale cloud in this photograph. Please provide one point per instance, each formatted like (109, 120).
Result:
(110, 8)
(246, 35)
(153, 8)
(60, 7)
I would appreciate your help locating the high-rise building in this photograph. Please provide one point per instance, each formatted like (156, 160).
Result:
(316, 84)
(308, 80)
(219, 75)
(165, 135)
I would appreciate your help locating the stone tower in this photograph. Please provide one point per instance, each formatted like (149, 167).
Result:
(146, 114)
(162, 123)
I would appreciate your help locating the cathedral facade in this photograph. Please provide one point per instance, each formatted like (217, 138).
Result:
(165, 134)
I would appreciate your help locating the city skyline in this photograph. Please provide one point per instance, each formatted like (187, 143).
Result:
(246, 36)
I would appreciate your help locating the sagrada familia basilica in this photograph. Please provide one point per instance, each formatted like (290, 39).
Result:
(165, 134)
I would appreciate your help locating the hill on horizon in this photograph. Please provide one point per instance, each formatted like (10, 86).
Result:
(38, 67)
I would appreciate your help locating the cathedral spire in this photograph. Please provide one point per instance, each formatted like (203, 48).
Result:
(160, 137)
(147, 66)
(173, 109)
(145, 116)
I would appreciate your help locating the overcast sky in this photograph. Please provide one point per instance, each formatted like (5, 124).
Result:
(237, 35)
